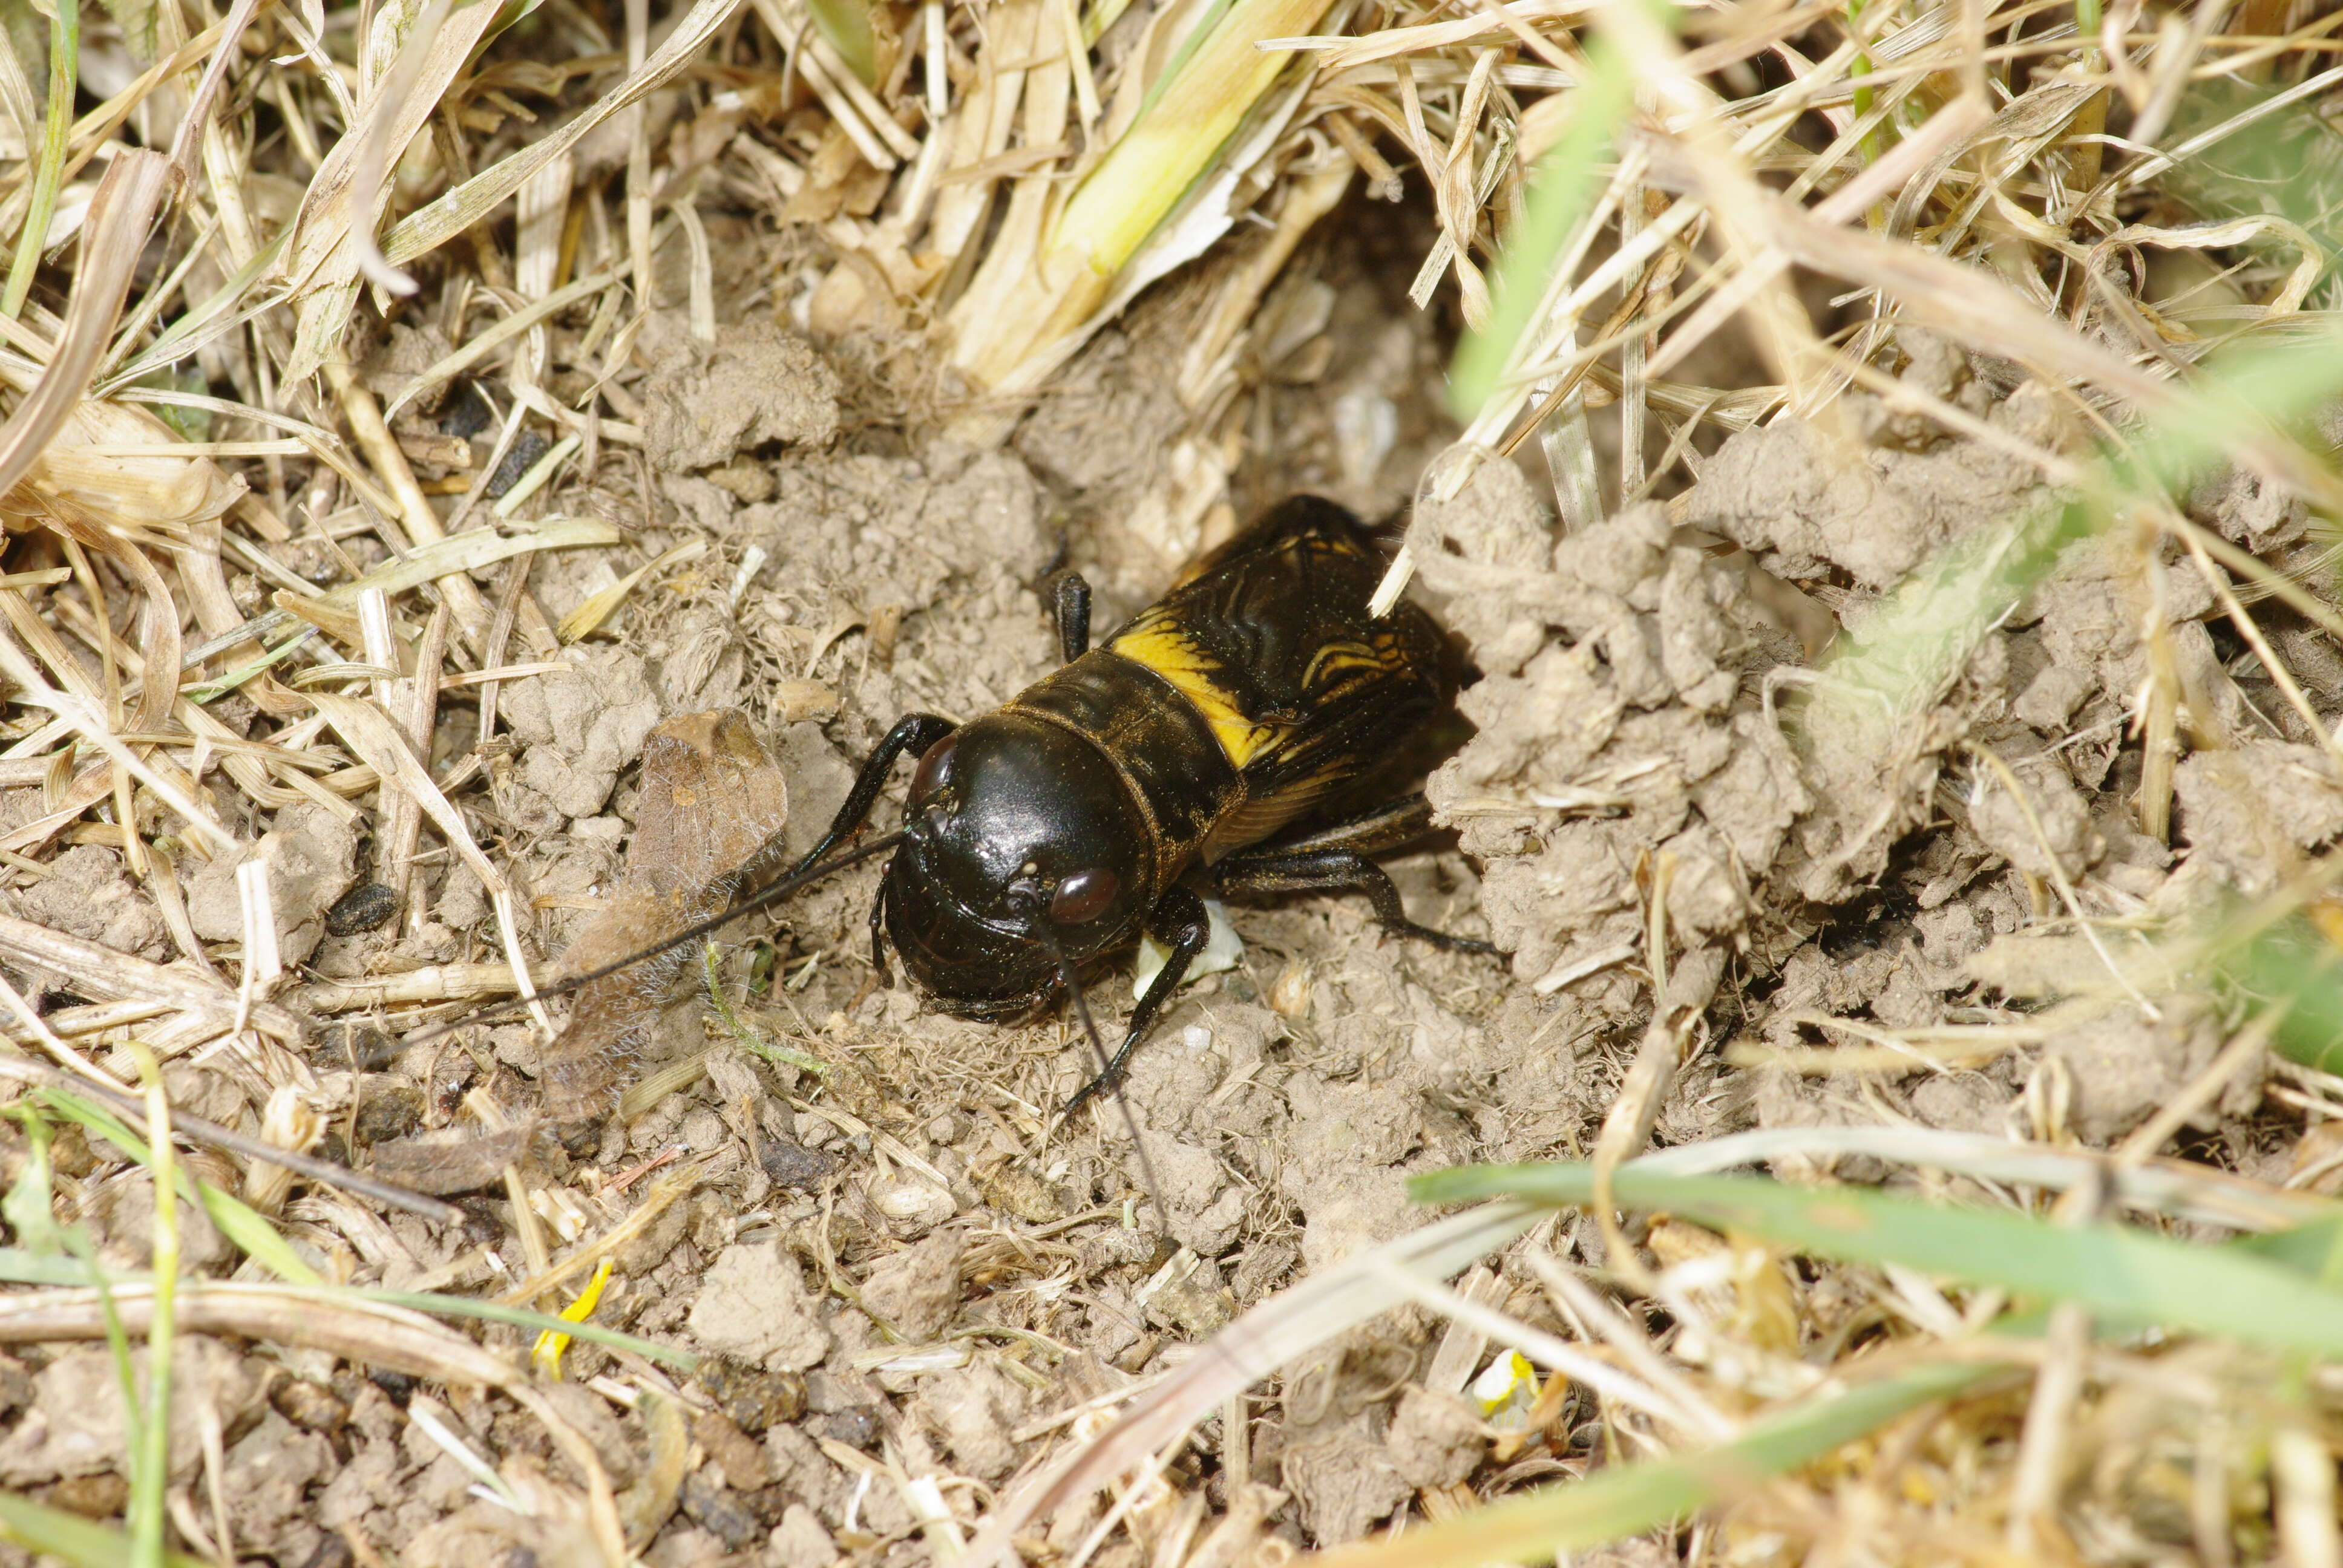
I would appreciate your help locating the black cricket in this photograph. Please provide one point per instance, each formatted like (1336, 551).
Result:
(1103, 799)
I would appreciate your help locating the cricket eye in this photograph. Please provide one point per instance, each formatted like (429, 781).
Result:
(934, 771)
(1084, 896)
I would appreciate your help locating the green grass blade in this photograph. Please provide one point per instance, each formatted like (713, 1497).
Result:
(1560, 187)
(2123, 1275)
(1629, 1499)
(1908, 646)
(71, 1539)
(19, 1266)
(48, 167)
(845, 27)
(253, 1236)
(172, 342)
(2314, 1251)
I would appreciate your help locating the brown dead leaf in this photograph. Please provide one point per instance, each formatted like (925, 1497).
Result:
(710, 822)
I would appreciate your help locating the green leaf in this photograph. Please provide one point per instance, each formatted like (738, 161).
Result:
(2314, 1251)
(1901, 653)
(29, 1206)
(845, 27)
(2294, 960)
(2122, 1274)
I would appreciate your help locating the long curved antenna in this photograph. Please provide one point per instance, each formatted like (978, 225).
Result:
(1073, 983)
(779, 887)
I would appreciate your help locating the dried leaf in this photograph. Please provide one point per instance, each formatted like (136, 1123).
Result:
(708, 821)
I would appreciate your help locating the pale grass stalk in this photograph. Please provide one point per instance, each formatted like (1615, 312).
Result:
(2147, 169)
(197, 123)
(703, 293)
(897, 141)
(1078, 56)
(63, 1054)
(1845, 205)
(663, 1195)
(2302, 1474)
(1005, 338)
(1778, 322)
(412, 508)
(368, 732)
(638, 163)
(2156, 701)
(213, 1440)
(2042, 1441)
(843, 112)
(335, 242)
(86, 721)
(2245, 1050)
(450, 214)
(935, 62)
(430, 983)
(16, 99)
(1559, 316)
(421, 693)
(263, 966)
(1634, 371)
(495, 337)
(95, 129)
(1208, 357)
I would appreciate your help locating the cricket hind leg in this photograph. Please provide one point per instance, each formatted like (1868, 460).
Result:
(914, 733)
(1334, 860)
(1179, 922)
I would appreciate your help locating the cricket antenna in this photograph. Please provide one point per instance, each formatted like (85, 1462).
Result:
(1073, 979)
(772, 892)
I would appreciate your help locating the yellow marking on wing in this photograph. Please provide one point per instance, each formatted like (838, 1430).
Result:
(1169, 654)
(1341, 656)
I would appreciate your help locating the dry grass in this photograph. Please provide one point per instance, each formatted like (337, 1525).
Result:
(1611, 183)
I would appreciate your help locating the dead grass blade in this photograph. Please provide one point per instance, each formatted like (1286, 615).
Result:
(110, 973)
(346, 198)
(121, 215)
(468, 204)
(341, 1323)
